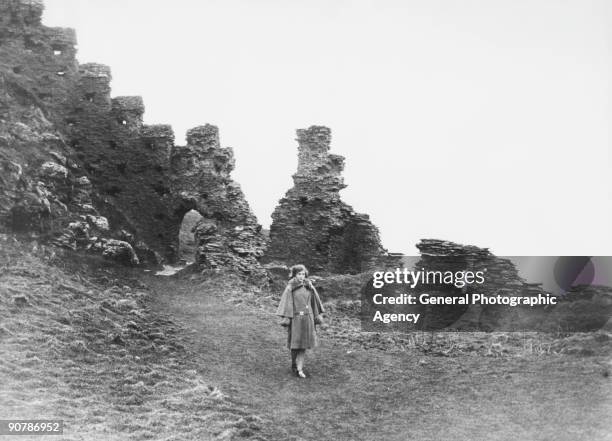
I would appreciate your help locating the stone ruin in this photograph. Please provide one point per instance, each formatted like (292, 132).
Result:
(228, 235)
(313, 226)
(81, 169)
(154, 183)
(501, 275)
(583, 308)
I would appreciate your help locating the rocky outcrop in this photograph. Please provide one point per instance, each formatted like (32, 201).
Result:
(82, 170)
(312, 225)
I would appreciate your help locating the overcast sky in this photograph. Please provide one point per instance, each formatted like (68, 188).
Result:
(479, 121)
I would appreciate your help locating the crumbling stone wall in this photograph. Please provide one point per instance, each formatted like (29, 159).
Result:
(312, 225)
(127, 161)
(74, 154)
(501, 275)
(228, 235)
(153, 183)
(501, 278)
(43, 192)
(583, 308)
(40, 60)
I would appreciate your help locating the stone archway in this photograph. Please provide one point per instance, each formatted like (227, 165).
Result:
(188, 245)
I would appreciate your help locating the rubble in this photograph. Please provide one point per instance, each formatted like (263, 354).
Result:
(119, 251)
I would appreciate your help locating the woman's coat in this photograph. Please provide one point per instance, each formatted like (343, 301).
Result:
(301, 332)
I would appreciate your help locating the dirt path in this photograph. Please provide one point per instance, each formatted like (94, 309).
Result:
(373, 395)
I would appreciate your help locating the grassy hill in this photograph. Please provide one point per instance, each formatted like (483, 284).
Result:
(79, 342)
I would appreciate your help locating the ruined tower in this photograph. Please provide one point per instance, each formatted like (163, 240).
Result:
(312, 225)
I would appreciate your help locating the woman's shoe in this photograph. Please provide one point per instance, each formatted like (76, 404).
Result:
(301, 374)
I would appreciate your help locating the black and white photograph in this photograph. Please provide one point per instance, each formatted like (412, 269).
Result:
(306, 220)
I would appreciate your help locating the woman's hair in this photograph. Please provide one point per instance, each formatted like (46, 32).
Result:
(296, 269)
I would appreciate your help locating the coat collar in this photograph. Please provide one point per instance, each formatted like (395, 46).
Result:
(295, 284)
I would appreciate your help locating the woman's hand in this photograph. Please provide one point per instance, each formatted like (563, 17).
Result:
(285, 321)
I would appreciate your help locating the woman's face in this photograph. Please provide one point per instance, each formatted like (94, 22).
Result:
(301, 275)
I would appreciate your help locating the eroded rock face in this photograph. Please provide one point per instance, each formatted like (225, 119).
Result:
(81, 169)
(311, 224)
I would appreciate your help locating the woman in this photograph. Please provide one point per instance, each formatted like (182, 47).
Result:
(300, 307)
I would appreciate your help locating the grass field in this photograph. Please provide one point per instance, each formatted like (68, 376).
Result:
(485, 387)
(83, 346)
(120, 354)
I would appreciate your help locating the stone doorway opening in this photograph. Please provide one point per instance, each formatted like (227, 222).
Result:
(187, 243)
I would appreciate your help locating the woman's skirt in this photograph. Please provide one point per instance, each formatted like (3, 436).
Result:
(301, 333)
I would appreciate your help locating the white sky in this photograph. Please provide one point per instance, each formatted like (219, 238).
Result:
(479, 121)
